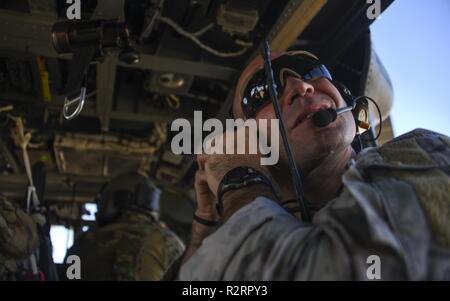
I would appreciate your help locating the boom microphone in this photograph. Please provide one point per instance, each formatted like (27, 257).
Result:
(326, 117)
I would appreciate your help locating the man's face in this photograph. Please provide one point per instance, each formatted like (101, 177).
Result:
(298, 101)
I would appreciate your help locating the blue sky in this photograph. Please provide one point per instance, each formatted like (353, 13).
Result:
(412, 38)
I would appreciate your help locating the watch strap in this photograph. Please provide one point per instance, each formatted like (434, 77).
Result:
(248, 176)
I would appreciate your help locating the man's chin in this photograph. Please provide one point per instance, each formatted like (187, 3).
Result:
(317, 143)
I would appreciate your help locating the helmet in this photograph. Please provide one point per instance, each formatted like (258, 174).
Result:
(127, 191)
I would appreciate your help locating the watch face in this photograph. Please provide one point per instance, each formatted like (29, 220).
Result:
(245, 171)
(238, 178)
(239, 174)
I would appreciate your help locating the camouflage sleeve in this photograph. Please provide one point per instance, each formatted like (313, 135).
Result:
(240, 249)
(263, 242)
(159, 251)
(18, 232)
(174, 247)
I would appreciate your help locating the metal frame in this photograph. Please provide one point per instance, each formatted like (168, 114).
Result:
(106, 83)
(181, 66)
(58, 188)
(293, 21)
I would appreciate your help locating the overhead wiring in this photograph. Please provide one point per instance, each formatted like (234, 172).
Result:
(194, 38)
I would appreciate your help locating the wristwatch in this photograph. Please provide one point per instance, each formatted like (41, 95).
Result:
(238, 178)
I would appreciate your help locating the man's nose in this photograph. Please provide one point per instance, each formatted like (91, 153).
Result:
(296, 86)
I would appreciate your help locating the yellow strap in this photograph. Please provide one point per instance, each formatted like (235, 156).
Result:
(45, 84)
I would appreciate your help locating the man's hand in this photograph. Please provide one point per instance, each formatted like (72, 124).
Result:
(206, 200)
(206, 209)
(212, 169)
(216, 166)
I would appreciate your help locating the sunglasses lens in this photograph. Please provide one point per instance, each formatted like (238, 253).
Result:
(318, 72)
(255, 98)
(256, 93)
(259, 92)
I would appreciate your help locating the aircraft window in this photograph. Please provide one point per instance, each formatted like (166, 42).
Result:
(92, 209)
(62, 239)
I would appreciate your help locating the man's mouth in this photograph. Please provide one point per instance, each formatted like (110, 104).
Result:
(308, 112)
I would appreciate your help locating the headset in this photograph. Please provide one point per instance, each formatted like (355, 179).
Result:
(359, 107)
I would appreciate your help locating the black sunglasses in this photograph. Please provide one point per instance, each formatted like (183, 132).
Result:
(256, 93)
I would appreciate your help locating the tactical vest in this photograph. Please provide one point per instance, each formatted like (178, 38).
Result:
(18, 239)
(134, 247)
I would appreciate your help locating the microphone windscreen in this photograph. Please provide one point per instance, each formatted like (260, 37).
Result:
(324, 118)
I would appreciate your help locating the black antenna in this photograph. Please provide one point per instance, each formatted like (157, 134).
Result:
(296, 178)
